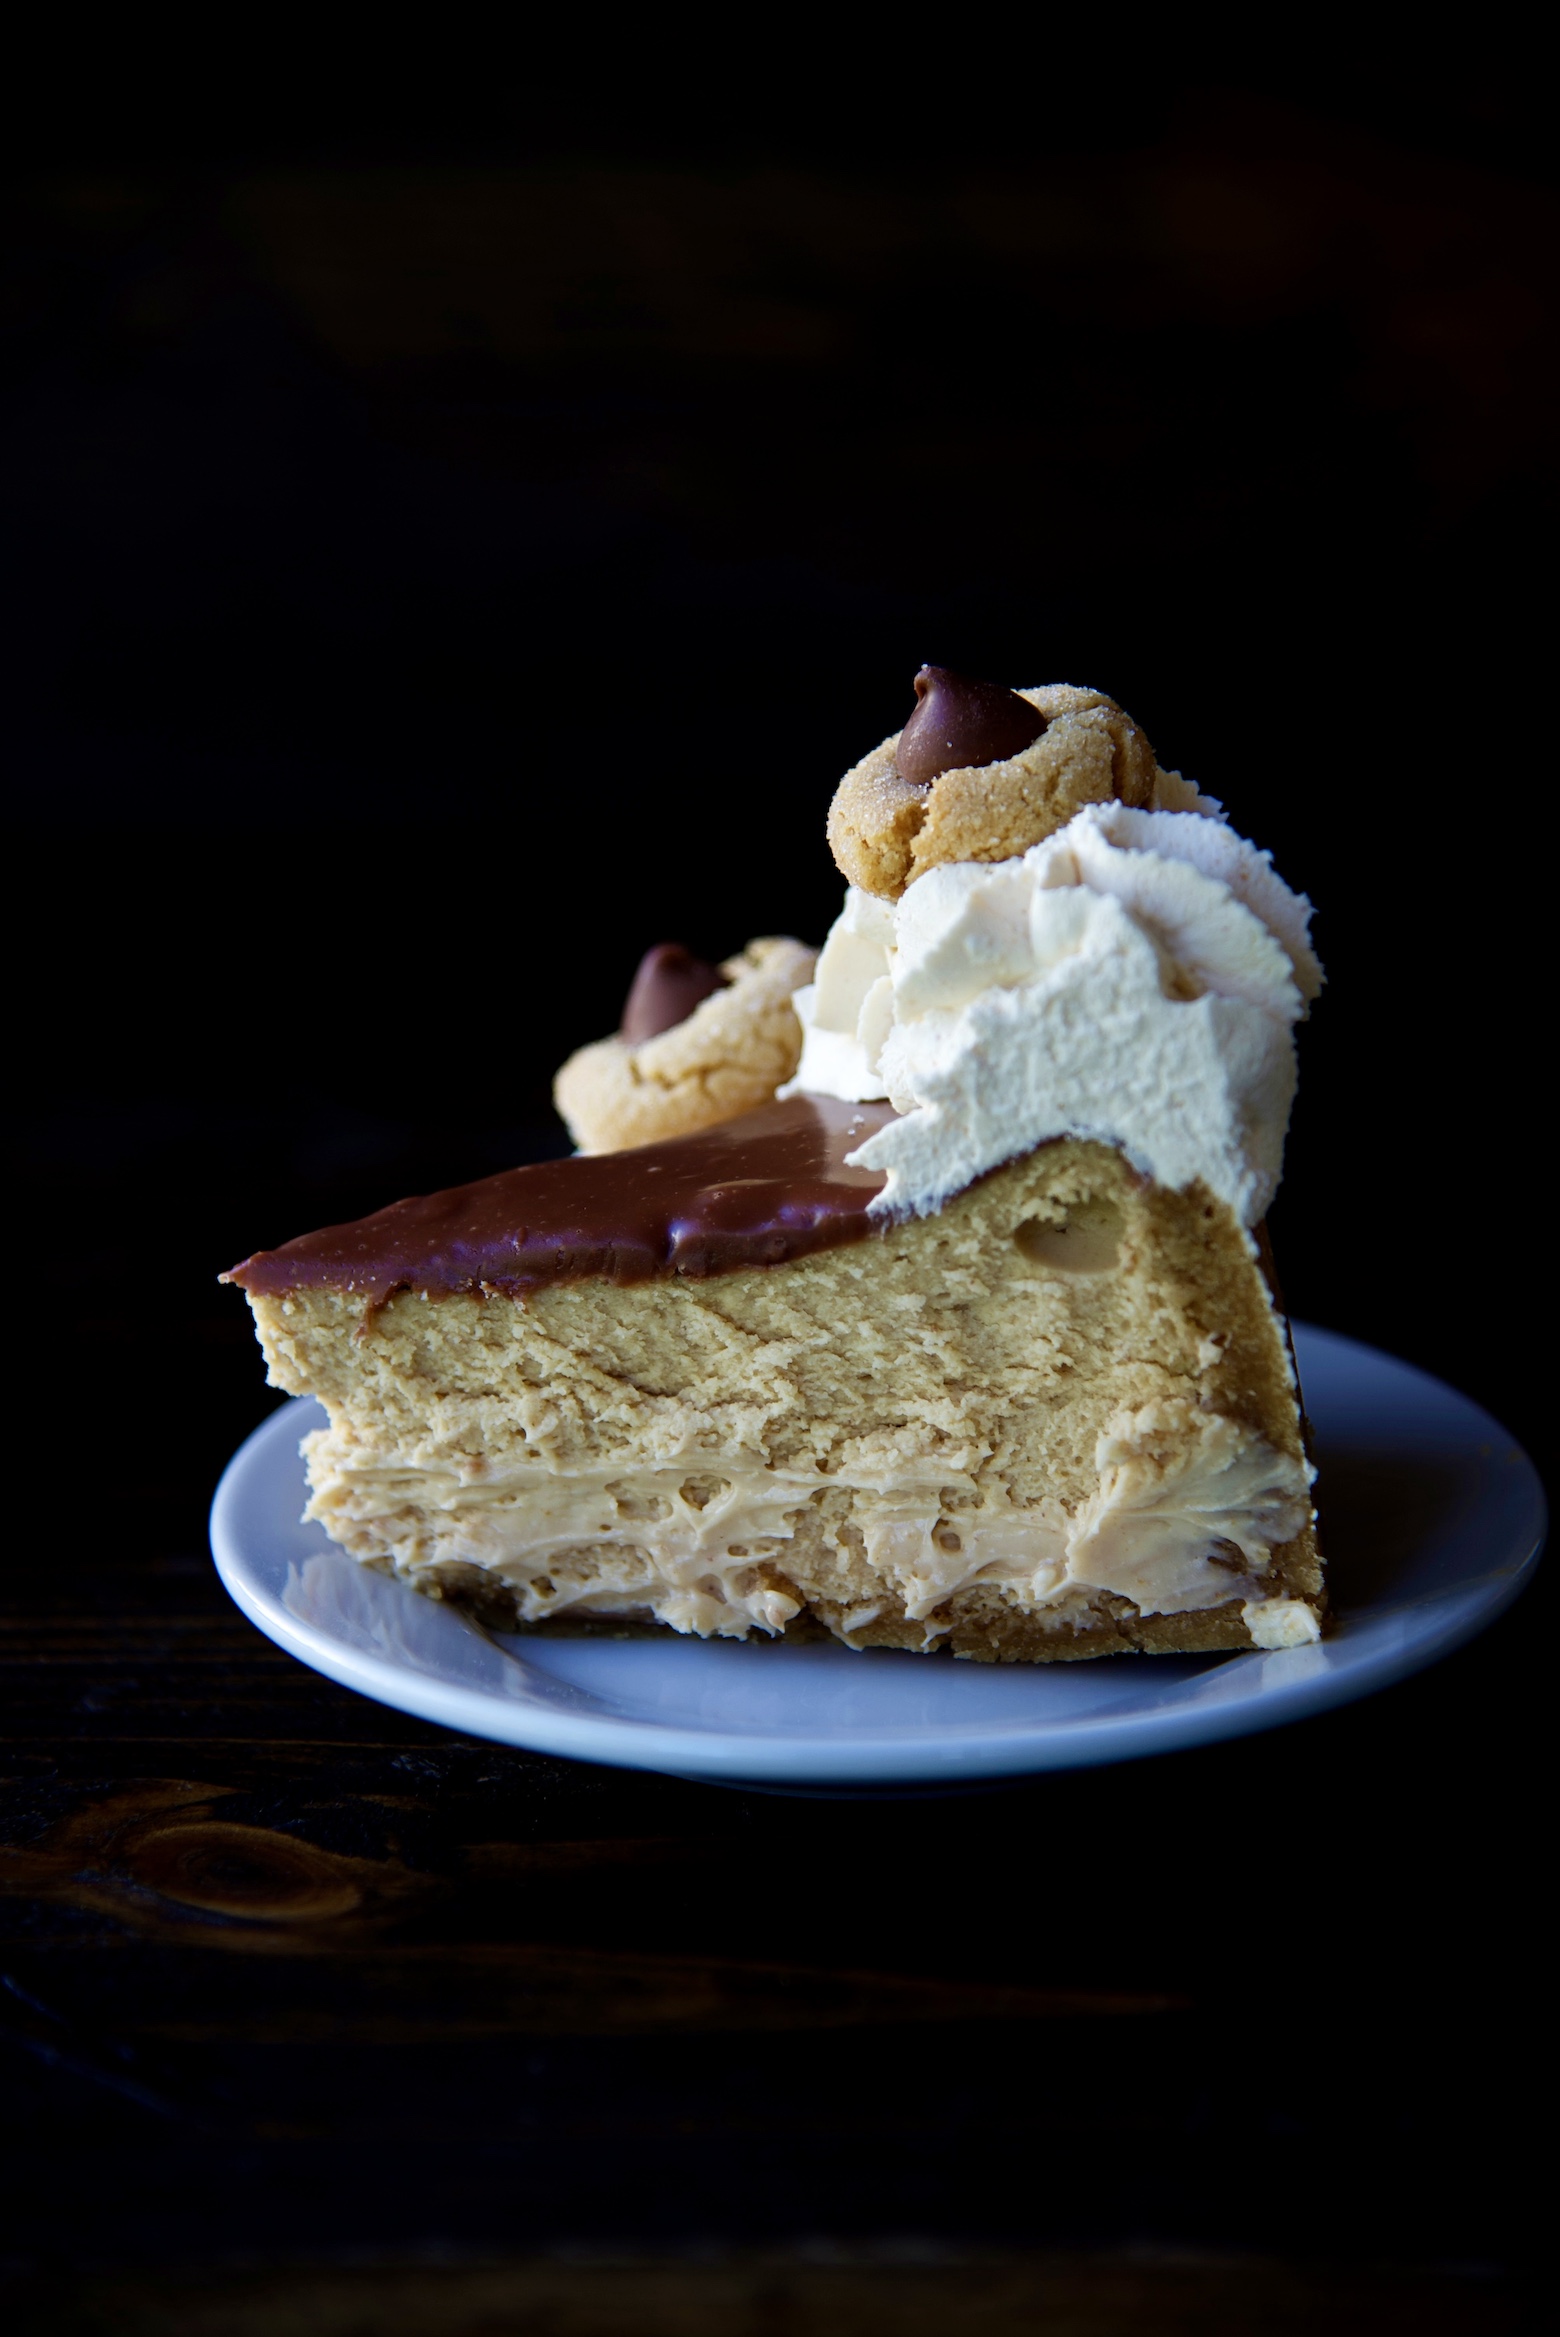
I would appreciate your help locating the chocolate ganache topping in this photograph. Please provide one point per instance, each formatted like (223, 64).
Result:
(960, 723)
(670, 983)
(755, 1191)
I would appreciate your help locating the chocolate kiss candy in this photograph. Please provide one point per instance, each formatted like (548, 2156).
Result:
(670, 983)
(958, 722)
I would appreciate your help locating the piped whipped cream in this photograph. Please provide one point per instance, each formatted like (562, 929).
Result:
(1135, 978)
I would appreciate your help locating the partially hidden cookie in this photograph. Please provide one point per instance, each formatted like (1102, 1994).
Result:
(728, 1056)
(885, 830)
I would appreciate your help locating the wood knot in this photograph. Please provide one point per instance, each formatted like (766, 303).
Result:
(245, 1871)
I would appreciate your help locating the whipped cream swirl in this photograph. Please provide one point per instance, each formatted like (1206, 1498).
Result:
(1136, 978)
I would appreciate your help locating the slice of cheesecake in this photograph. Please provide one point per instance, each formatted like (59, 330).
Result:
(965, 1342)
(702, 1384)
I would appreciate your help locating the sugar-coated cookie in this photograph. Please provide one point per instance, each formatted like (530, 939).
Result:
(885, 831)
(728, 1056)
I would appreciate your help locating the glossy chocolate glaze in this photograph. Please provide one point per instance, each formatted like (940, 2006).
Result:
(755, 1191)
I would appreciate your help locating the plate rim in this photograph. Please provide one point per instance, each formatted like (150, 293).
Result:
(724, 1756)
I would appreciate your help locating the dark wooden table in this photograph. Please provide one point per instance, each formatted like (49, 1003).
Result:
(294, 1982)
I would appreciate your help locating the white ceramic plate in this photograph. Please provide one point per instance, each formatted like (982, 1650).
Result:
(1432, 1518)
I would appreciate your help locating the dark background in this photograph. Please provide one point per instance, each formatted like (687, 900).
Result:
(456, 545)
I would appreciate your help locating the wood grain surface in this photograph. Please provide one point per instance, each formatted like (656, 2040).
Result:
(833, 2292)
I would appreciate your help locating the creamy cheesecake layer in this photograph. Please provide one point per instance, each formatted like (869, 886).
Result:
(722, 1554)
(1055, 1418)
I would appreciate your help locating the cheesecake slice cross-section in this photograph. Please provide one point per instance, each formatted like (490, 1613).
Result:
(702, 1384)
